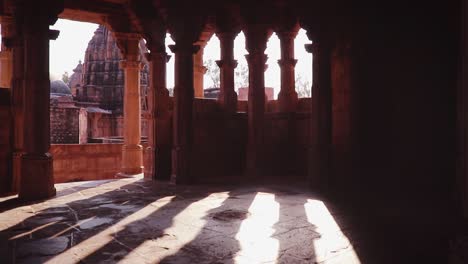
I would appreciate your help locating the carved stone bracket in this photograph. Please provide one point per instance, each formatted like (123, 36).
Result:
(227, 63)
(128, 44)
(287, 62)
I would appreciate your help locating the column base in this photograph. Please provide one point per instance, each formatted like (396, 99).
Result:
(287, 102)
(163, 163)
(132, 159)
(318, 171)
(37, 180)
(16, 171)
(181, 168)
(149, 169)
(228, 102)
(254, 163)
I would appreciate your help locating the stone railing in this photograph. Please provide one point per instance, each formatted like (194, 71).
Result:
(84, 162)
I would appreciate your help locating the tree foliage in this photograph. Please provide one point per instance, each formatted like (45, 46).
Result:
(213, 73)
(303, 86)
(65, 77)
(241, 75)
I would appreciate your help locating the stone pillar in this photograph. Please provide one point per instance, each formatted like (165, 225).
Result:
(321, 124)
(6, 54)
(256, 39)
(132, 152)
(287, 97)
(17, 105)
(199, 71)
(37, 179)
(227, 96)
(160, 126)
(183, 109)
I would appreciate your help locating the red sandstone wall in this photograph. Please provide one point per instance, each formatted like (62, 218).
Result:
(85, 162)
(73, 162)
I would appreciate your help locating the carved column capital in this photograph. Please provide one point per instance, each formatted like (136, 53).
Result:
(157, 55)
(287, 35)
(256, 58)
(200, 69)
(287, 62)
(191, 49)
(8, 28)
(227, 35)
(227, 63)
(128, 44)
(256, 38)
(311, 48)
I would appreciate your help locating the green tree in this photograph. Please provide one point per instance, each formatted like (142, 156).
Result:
(65, 77)
(303, 86)
(241, 75)
(213, 73)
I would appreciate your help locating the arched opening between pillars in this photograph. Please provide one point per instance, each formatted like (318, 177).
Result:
(272, 72)
(87, 101)
(212, 76)
(303, 75)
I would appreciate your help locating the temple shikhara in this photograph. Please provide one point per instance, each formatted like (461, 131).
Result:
(113, 167)
(93, 111)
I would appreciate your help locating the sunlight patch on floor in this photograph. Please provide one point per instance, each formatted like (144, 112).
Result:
(196, 211)
(332, 239)
(255, 233)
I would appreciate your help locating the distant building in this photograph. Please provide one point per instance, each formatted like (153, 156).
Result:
(90, 107)
(243, 93)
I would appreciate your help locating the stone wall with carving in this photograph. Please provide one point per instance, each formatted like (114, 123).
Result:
(65, 124)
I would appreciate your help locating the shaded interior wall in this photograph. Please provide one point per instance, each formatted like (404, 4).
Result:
(219, 143)
(286, 143)
(65, 125)
(405, 70)
(5, 141)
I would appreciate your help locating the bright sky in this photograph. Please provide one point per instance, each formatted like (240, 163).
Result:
(70, 47)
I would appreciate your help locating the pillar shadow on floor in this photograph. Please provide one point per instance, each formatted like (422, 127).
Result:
(216, 240)
(59, 227)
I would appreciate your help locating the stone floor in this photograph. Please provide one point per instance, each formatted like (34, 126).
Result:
(136, 221)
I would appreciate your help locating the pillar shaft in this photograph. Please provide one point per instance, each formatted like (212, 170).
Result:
(227, 95)
(132, 152)
(17, 84)
(183, 109)
(321, 124)
(199, 71)
(256, 39)
(36, 163)
(160, 136)
(287, 97)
